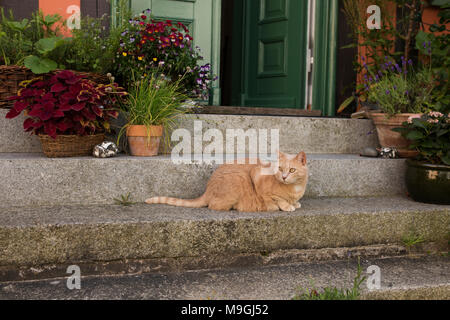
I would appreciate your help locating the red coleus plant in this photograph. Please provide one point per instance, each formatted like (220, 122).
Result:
(66, 104)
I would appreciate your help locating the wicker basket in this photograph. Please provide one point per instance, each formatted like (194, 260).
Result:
(12, 76)
(70, 145)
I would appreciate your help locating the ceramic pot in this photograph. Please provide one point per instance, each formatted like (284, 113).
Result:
(144, 141)
(389, 138)
(428, 183)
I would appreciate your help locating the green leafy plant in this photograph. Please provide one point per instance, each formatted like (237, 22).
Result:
(36, 43)
(124, 200)
(430, 136)
(398, 88)
(333, 293)
(153, 101)
(92, 47)
(438, 53)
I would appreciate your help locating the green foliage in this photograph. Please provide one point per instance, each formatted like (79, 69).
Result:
(152, 101)
(411, 239)
(35, 43)
(396, 92)
(333, 293)
(124, 200)
(430, 136)
(438, 52)
(91, 47)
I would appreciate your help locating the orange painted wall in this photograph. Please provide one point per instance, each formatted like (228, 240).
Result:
(430, 16)
(59, 7)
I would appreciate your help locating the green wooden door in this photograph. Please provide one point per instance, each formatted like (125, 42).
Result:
(275, 44)
(202, 17)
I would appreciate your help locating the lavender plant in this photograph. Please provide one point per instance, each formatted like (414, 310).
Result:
(398, 88)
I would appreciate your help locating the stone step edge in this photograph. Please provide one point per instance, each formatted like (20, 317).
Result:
(433, 292)
(15, 273)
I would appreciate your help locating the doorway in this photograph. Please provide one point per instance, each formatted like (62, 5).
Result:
(264, 53)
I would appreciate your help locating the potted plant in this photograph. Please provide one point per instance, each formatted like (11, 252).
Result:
(152, 106)
(400, 93)
(70, 114)
(146, 44)
(428, 175)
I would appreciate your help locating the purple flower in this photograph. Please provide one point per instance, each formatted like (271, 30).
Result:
(132, 40)
(410, 62)
(388, 92)
(395, 87)
(398, 68)
(407, 92)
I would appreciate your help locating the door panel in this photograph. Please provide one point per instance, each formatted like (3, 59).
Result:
(275, 53)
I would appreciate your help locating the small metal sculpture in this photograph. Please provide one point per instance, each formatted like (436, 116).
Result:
(388, 153)
(106, 149)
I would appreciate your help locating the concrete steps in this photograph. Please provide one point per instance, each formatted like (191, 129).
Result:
(169, 237)
(33, 179)
(312, 135)
(425, 277)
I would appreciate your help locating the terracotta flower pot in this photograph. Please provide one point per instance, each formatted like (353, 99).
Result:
(389, 138)
(143, 141)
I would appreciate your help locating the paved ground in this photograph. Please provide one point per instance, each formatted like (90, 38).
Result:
(272, 282)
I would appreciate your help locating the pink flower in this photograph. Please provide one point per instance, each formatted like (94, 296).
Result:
(436, 114)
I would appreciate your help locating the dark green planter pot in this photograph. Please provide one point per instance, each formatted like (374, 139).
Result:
(427, 182)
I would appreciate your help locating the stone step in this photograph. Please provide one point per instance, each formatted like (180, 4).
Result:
(312, 135)
(403, 278)
(177, 238)
(33, 179)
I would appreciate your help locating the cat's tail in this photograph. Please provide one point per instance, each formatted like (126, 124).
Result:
(194, 203)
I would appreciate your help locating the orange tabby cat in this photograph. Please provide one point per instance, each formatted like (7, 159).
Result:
(248, 187)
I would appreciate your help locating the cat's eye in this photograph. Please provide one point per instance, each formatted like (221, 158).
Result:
(280, 168)
(292, 170)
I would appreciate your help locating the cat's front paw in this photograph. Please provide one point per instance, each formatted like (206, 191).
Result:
(297, 205)
(288, 208)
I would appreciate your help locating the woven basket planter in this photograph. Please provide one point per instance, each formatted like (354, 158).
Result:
(70, 145)
(12, 76)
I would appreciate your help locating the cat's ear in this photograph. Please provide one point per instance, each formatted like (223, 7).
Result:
(301, 157)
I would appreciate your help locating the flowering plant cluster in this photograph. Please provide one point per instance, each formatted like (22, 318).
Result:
(397, 88)
(66, 104)
(430, 136)
(148, 46)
